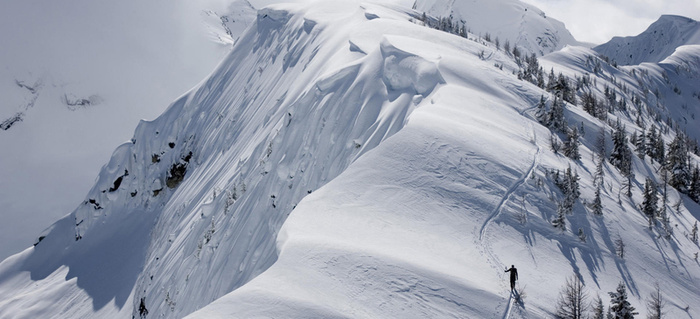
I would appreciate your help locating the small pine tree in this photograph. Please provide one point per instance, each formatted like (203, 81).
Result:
(694, 188)
(694, 233)
(559, 221)
(651, 198)
(598, 309)
(554, 144)
(621, 308)
(621, 156)
(571, 145)
(555, 117)
(599, 172)
(597, 205)
(541, 113)
(654, 145)
(640, 143)
(677, 164)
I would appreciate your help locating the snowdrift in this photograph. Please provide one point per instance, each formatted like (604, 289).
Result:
(345, 161)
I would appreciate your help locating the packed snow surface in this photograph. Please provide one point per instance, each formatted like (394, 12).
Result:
(346, 161)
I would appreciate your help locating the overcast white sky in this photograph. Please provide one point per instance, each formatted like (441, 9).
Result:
(597, 21)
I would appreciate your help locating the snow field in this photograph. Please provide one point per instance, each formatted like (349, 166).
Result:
(344, 162)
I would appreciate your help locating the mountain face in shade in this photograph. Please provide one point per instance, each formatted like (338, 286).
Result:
(655, 44)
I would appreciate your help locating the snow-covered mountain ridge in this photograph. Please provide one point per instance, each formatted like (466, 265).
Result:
(411, 163)
(512, 21)
(655, 44)
(75, 79)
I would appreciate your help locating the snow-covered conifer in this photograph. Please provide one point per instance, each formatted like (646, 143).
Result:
(598, 309)
(651, 198)
(556, 118)
(677, 164)
(640, 144)
(597, 205)
(694, 187)
(571, 145)
(620, 306)
(541, 112)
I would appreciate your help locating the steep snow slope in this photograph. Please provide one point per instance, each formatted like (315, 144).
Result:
(423, 225)
(75, 79)
(279, 118)
(655, 44)
(521, 24)
(411, 167)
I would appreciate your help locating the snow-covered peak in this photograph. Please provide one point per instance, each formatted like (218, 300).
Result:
(509, 20)
(345, 160)
(656, 43)
(227, 25)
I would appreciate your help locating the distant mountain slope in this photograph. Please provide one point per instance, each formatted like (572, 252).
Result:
(347, 161)
(74, 82)
(509, 20)
(655, 44)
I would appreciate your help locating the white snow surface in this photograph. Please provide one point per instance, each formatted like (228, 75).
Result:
(521, 24)
(345, 162)
(655, 44)
(80, 75)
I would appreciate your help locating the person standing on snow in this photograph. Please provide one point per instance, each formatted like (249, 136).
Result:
(513, 276)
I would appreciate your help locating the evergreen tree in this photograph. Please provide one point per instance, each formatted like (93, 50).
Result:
(569, 186)
(621, 308)
(641, 145)
(589, 103)
(597, 205)
(540, 78)
(541, 113)
(571, 145)
(694, 233)
(694, 187)
(599, 172)
(551, 81)
(621, 156)
(677, 164)
(655, 146)
(559, 221)
(556, 118)
(651, 198)
(598, 309)
(572, 300)
(565, 90)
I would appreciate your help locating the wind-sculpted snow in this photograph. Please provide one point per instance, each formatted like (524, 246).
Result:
(344, 161)
(282, 115)
(407, 71)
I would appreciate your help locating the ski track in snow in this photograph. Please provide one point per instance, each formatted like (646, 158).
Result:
(506, 315)
(486, 248)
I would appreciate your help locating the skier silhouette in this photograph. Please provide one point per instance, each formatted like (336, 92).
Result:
(513, 276)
